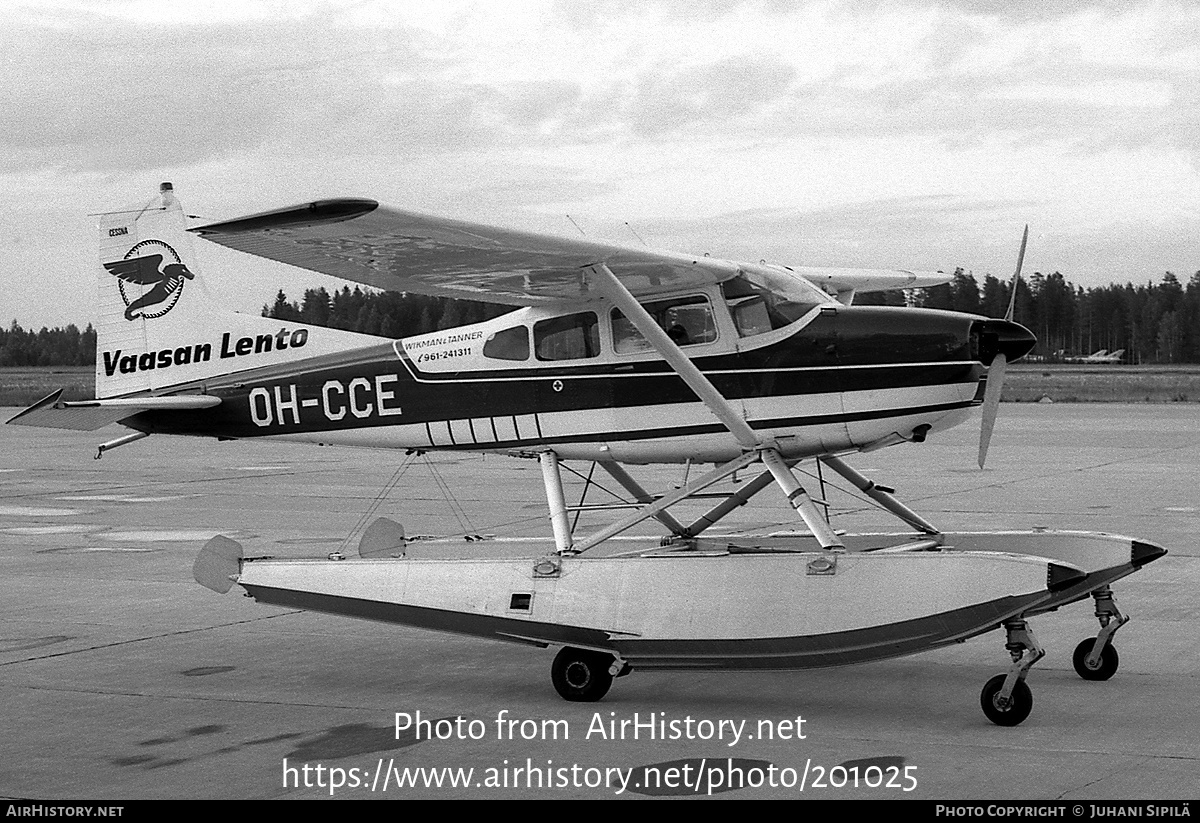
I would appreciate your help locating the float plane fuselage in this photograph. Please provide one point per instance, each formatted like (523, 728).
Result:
(618, 356)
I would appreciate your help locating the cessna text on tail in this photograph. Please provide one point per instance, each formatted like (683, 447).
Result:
(617, 356)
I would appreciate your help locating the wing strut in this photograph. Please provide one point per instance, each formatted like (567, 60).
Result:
(768, 452)
(613, 289)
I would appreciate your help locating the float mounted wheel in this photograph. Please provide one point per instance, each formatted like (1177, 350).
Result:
(1105, 668)
(580, 675)
(1009, 712)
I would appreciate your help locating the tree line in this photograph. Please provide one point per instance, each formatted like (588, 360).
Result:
(385, 314)
(1154, 322)
(48, 347)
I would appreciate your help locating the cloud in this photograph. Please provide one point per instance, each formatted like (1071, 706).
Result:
(940, 232)
(782, 113)
(727, 91)
(100, 91)
(104, 94)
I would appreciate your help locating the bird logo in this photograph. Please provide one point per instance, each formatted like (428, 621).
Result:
(150, 275)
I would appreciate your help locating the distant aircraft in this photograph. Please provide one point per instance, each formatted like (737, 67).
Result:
(1101, 356)
(618, 356)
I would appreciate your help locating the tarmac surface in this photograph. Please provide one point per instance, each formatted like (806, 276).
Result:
(121, 678)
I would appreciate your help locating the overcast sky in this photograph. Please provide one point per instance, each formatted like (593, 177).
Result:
(910, 134)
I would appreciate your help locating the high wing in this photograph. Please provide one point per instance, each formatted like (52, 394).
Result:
(838, 280)
(361, 241)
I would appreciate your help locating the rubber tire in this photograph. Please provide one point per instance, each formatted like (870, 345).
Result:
(1017, 710)
(1109, 661)
(580, 675)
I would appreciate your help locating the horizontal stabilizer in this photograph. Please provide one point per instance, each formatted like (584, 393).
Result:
(52, 412)
(383, 538)
(218, 564)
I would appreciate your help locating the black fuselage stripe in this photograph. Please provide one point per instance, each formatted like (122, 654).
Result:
(717, 428)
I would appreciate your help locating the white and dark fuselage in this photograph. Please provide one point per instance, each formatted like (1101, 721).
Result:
(838, 378)
(574, 371)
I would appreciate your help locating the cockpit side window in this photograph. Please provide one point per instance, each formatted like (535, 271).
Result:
(509, 344)
(750, 315)
(688, 321)
(572, 337)
(762, 301)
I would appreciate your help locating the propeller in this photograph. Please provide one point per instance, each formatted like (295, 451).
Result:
(995, 375)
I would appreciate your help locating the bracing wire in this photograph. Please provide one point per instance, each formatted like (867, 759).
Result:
(460, 514)
(587, 484)
(378, 500)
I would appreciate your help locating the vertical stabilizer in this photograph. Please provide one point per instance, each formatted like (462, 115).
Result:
(158, 325)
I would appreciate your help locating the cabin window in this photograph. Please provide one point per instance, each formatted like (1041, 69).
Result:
(510, 344)
(573, 337)
(688, 321)
(764, 300)
(750, 315)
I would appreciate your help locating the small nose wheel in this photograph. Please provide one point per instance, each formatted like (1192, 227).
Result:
(1010, 711)
(1091, 667)
(1006, 699)
(1096, 658)
(581, 675)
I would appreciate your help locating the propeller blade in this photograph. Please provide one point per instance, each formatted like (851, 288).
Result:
(991, 404)
(1012, 297)
(995, 376)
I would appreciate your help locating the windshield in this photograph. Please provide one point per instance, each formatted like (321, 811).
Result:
(763, 300)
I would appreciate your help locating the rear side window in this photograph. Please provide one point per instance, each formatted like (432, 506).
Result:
(510, 344)
(573, 337)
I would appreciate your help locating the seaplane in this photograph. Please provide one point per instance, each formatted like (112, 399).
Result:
(621, 357)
